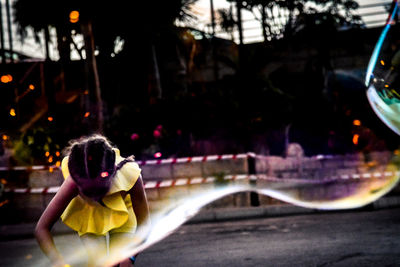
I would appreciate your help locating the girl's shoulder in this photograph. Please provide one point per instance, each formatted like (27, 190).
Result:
(126, 177)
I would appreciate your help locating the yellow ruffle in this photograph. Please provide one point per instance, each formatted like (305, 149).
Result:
(87, 216)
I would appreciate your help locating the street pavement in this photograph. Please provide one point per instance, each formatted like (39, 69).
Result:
(25, 230)
(359, 237)
(339, 238)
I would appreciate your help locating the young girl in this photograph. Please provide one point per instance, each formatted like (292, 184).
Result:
(102, 195)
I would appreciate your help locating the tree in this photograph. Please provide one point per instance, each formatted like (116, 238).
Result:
(101, 24)
(281, 19)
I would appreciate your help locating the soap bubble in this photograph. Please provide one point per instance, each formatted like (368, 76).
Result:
(318, 182)
(383, 73)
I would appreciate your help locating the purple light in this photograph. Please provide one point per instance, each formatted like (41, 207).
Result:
(156, 134)
(134, 137)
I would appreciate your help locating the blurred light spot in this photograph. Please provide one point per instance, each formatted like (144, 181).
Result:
(51, 169)
(86, 92)
(179, 132)
(134, 137)
(47, 153)
(50, 118)
(67, 265)
(3, 181)
(159, 127)
(357, 122)
(31, 87)
(5, 137)
(74, 16)
(157, 155)
(4, 202)
(12, 112)
(104, 174)
(50, 159)
(28, 257)
(386, 85)
(6, 78)
(58, 163)
(372, 163)
(87, 114)
(156, 133)
(382, 63)
(355, 139)
(58, 153)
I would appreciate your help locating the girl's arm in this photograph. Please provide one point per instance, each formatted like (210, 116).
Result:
(139, 203)
(52, 213)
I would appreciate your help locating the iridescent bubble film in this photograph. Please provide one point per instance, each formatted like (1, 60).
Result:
(382, 77)
(318, 182)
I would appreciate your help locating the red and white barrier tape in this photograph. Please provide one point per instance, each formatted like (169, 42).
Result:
(149, 162)
(29, 168)
(212, 179)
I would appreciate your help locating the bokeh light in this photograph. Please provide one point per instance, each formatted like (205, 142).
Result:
(6, 78)
(74, 16)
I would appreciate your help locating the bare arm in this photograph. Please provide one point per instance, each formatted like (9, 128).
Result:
(139, 203)
(52, 213)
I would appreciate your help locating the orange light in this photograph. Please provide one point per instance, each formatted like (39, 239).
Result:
(5, 137)
(51, 169)
(74, 16)
(355, 139)
(382, 63)
(57, 153)
(50, 118)
(4, 202)
(47, 153)
(86, 92)
(386, 85)
(50, 159)
(12, 112)
(87, 114)
(356, 122)
(104, 174)
(3, 181)
(58, 163)
(31, 87)
(6, 78)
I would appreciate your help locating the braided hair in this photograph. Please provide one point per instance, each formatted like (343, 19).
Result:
(92, 166)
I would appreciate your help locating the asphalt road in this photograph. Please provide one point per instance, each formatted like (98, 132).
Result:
(355, 238)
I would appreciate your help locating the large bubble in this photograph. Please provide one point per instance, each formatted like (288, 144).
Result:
(318, 182)
(383, 73)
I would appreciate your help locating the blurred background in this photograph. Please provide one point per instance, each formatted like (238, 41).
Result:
(183, 77)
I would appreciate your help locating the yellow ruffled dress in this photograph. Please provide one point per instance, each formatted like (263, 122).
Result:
(87, 216)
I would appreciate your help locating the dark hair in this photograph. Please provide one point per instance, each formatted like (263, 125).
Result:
(91, 164)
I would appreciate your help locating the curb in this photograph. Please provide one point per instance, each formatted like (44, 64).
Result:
(25, 230)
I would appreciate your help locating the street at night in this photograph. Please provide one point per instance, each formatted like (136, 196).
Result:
(208, 133)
